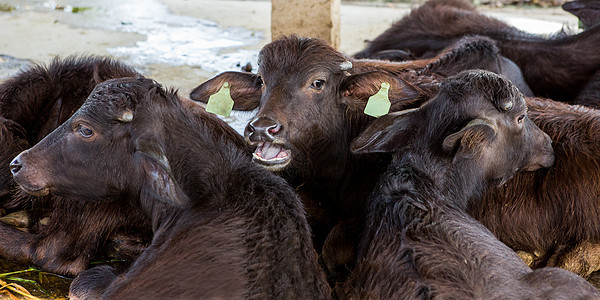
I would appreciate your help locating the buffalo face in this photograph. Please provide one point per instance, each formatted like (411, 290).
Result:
(477, 116)
(307, 98)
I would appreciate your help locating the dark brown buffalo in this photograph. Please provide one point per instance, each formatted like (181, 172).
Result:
(550, 216)
(34, 102)
(554, 67)
(223, 227)
(419, 243)
(311, 99)
(553, 214)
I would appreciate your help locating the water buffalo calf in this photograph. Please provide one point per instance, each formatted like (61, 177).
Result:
(223, 226)
(552, 214)
(34, 102)
(419, 243)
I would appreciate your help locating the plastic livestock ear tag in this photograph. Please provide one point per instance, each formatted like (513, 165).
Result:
(220, 103)
(379, 104)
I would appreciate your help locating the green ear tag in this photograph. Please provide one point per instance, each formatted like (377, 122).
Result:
(379, 104)
(220, 103)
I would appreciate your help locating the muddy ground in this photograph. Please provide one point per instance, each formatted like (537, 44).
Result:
(37, 31)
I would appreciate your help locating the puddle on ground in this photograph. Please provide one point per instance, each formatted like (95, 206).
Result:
(173, 43)
(170, 39)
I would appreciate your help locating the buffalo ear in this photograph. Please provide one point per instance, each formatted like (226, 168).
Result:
(471, 139)
(245, 89)
(387, 134)
(356, 90)
(588, 12)
(158, 180)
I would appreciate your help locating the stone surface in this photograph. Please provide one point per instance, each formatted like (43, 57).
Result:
(311, 18)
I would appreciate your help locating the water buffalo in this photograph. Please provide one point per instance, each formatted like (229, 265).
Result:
(33, 103)
(549, 216)
(554, 67)
(419, 243)
(552, 214)
(223, 226)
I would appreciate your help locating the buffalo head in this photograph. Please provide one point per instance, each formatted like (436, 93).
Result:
(305, 92)
(477, 116)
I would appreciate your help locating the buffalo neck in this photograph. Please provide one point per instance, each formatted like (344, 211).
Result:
(346, 178)
(452, 181)
(201, 157)
(414, 186)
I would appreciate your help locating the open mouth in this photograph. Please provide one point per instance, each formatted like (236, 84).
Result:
(274, 157)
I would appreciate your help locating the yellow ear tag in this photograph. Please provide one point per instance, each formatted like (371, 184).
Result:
(220, 103)
(379, 104)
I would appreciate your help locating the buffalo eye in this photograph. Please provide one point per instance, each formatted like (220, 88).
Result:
(84, 131)
(520, 119)
(317, 84)
(260, 81)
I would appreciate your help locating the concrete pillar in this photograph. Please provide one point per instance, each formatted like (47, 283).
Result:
(309, 18)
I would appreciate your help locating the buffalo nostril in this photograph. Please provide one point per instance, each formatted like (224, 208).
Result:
(15, 166)
(250, 128)
(274, 129)
(262, 129)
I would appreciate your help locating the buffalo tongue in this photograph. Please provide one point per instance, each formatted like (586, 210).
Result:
(270, 151)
